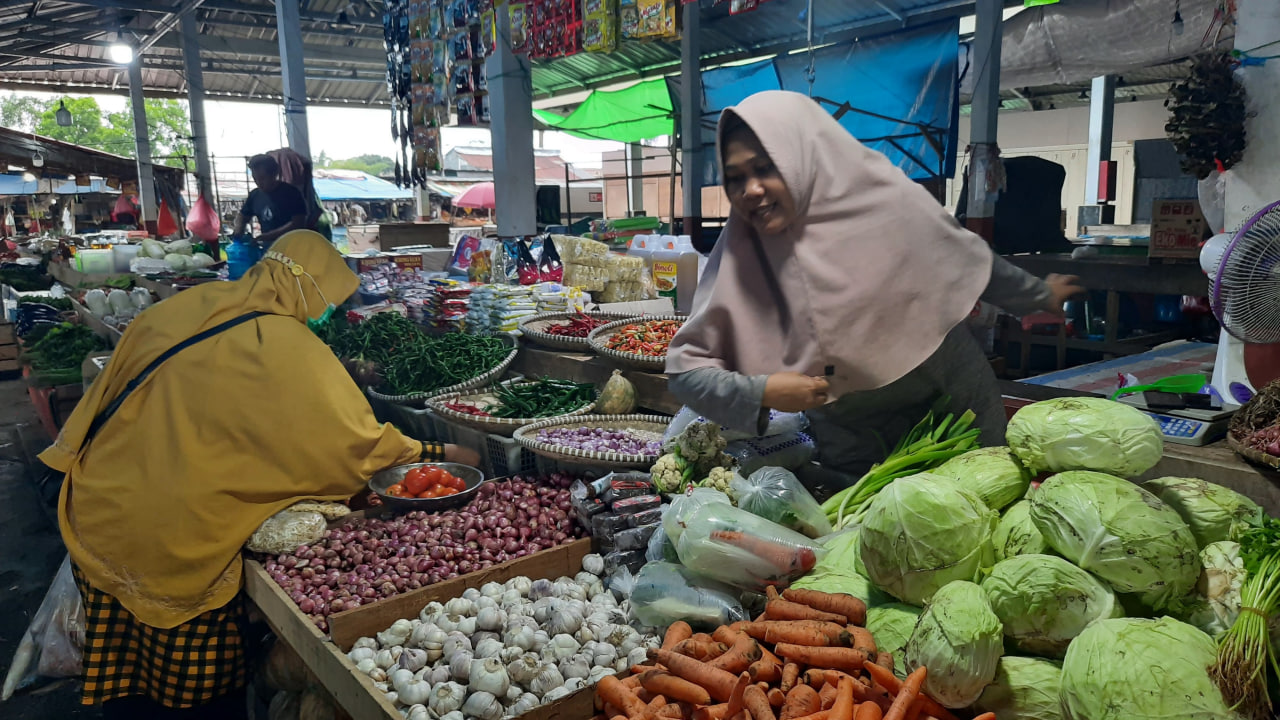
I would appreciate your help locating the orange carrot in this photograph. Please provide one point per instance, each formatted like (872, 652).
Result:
(801, 700)
(715, 681)
(611, 711)
(852, 609)
(645, 696)
(734, 706)
(907, 694)
(632, 681)
(884, 660)
(757, 703)
(790, 673)
(614, 693)
(663, 683)
(673, 712)
(619, 717)
(701, 649)
(764, 671)
(799, 632)
(676, 634)
(814, 678)
(827, 695)
(776, 697)
(739, 657)
(729, 634)
(847, 659)
(710, 712)
(657, 702)
(986, 716)
(820, 715)
(868, 711)
(890, 682)
(640, 670)
(862, 640)
(787, 610)
(787, 559)
(843, 707)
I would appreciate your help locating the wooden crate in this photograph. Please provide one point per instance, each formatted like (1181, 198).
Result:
(354, 691)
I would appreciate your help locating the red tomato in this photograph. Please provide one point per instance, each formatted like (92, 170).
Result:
(398, 490)
(446, 491)
(432, 474)
(415, 481)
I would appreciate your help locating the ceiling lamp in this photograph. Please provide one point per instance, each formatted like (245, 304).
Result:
(37, 159)
(1177, 18)
(121, 52)
(28, 176)
(63, 115)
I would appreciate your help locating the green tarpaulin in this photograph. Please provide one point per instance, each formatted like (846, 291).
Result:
(640, 112)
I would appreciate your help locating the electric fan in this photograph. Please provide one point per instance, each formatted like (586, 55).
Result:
(1246, 300)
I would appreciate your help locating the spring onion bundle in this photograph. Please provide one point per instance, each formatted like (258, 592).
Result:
(1245, 651)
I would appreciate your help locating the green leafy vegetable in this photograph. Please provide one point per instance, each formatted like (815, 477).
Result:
(1085, 434)
(993, 473)
(1213, 513)
(1024, 687)
(958, 638)
(1044, 601)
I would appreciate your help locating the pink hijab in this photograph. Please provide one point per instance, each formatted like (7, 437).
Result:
(861, 288)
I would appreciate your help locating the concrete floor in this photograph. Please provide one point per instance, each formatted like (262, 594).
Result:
(30, 552)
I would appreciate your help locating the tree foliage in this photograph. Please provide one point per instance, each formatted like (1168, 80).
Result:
(376, 165)
(168, 124)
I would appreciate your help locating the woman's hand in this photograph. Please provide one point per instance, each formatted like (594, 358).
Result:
(793, 392)
(461, 455)
(1061, 289)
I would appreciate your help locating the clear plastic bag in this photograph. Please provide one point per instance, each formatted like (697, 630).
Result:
(665, 592)
(780, 423)
(684, 505)
(285, 531)
(661, 547)
(53, 645)
(775, 494)
(787, 450)
(746, 551)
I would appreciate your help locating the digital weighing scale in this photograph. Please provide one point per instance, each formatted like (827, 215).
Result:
(1188, 426)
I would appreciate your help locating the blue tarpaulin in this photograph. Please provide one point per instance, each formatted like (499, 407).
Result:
(366, 188)
(883, 90)
(15, 185)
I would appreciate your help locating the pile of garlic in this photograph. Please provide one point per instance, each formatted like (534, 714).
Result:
(500, 651)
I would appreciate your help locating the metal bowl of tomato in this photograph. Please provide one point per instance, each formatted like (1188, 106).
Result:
(426, 486)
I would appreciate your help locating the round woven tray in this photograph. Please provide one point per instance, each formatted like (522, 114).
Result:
(1254, 456)
(479, 381)
(497, 426)
(630, 361)
(532, 329)
(528, 437)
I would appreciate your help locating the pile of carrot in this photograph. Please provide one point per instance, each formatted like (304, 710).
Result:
(808, 657)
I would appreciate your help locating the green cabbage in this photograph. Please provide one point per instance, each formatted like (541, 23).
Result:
(1083, 433)
(1045, 601)
(922, 532)
(891, 624)
(1024, 688)
(1213, 513)
(1216, 603)
(841, 571)
(1016, 534)
(993, 473)
(959, 639)
(1119, 532)
(1139, 669)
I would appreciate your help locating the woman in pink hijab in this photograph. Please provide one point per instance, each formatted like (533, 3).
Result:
(839, 288)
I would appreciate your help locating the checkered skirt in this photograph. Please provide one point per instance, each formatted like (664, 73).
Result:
(191, 664)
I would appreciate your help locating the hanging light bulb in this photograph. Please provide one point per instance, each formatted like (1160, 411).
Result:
(121, 51)
(37, 160)
(28, 176)
(1177, 18)
(63, 115)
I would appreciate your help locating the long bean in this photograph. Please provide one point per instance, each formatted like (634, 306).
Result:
(543, 398)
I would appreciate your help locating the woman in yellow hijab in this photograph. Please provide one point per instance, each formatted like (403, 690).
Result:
(160, 497)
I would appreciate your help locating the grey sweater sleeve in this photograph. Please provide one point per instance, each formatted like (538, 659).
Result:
(725, 397)
(1015, 290)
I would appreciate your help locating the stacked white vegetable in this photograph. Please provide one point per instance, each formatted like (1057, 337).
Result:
(503, 649)
(179, 255)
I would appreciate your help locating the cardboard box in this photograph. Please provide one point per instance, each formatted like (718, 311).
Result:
(361, 263)
(1177, 229)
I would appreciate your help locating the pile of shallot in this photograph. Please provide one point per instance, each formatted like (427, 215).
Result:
(503, 649)
(365, 560)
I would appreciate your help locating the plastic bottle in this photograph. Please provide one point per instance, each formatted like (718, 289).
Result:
(241, 256)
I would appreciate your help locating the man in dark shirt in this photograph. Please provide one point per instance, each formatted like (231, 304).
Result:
(278, 206)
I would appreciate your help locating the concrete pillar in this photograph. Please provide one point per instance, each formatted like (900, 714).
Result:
(293, 76)
(984, 152)
(635, 179)
(511, 107)
(1102, 104)
(691, 120)
(195, 102)
(142, 144)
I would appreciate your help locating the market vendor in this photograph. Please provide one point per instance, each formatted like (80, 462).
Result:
(840, 288)
(278, 206)
(158, 501)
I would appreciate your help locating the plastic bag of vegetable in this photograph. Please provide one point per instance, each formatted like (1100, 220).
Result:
(53, 643)
(922, 532)
(891, 624)
(958, 637)
(1044, 601)
(666, 592)
(744, 550)
(841, 571)
(1214, 513)
(120, 303)
(154, 249)
(994, 473)
(96, 301)
(1140, 669)
(1082, 433)
(1016, 534)
(676, 518)
(285, 531)
(780, 423)
(199, 261)
(1024, 688)
(1215, 605)
(775, 494)
(180, 247)
(1119, 532)
(661, 547)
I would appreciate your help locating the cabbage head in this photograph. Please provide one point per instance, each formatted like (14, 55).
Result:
(993, 473)
(959, 638)
(1024, 688)
(922, 532)
(1213, 513)
(1016, 534)
(1082, 433)
(1140, 669)
(1119, 532)
(892, 624)
(1044, 601)
(1215, 605)
(840, 571)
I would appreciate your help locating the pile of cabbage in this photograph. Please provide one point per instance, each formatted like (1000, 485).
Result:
(1087, 597)
(179, 255)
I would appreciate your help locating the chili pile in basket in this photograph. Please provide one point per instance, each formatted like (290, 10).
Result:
(546, 397)
(649, 338)
(578, 326)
